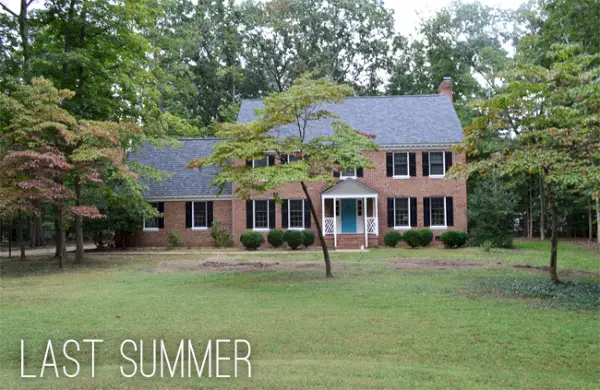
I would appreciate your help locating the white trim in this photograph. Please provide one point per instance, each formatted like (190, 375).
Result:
(399, 147)
(260, 229)
(194, 216)
(150, 229)
(438, 227)
(287, 159)
(346, 196)
(443, 164)
(289, 213)
(265, 158)
(187, 198)
(401, 177)
(342, 177)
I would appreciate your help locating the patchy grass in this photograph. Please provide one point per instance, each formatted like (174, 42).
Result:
(373, 326)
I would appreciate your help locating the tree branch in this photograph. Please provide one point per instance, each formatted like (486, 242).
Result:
(9, 10)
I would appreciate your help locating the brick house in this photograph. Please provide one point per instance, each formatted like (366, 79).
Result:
(407, 189)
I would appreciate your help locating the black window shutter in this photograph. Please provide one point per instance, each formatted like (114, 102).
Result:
(390, 212)
(209, 213)
(249, 214)
(389, 164)
(284, 158)
(426, 164)
(412, 164)
(413, 212)
(271, 159)
(359, 172)
(448, 157)
(188, 214)
(426, 216)
(271, 214)
(306, 213)
(449, 211)
(161, 220)
(336, 174)
(284, 213)
(249, 163)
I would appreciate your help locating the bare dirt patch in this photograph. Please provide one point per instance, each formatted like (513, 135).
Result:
(209, 265)
(432, 264)
(546, 268)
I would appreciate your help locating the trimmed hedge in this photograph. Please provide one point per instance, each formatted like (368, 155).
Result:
(412, 238)
(252, 240)
(294, 238)
(426, 237)
(454, 239)
(309, 238)
(392, 238)
(275, 237)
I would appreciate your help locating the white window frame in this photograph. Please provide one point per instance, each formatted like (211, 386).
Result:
(394, 176)
(265, 158)
(443, 165)
(402, 227)
(261, 229)
(288, 158)
(289, 216)
(194, 227)
(344, 177)
(152, 229)
(438, 227)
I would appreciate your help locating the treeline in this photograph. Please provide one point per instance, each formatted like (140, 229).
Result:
(173, 68)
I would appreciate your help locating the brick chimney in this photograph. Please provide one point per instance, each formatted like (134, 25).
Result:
(445, 88)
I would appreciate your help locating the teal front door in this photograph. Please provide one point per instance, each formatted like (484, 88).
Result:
(348, 215)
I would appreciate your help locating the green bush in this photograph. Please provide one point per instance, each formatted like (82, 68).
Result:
(392, 238)
(309, 238)
(275, 237)
(252, 240)
(220, 235)
(412, 238)
(426, 236)
(294, 238)
(454, 239)
(174, 239)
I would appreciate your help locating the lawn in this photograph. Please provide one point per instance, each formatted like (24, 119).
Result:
(374, 325)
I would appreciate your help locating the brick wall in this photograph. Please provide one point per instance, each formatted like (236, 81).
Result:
(175, 221)
(418, 186)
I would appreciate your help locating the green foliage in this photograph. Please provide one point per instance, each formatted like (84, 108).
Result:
(174, 238)
(412, 238)
(220, 235)
(492, 213)
(454, 239)
(309, 238)
(392, 238)
(275, 237)
(487, 245)
(425, 237)
(294, 238)
(251, 239)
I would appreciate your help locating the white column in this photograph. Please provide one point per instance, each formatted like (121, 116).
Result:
(376, 215)
(366, 228)
(323, 215)
(334, 223)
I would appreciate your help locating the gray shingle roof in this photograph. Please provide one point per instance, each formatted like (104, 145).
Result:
(395, 120)
(184, 183)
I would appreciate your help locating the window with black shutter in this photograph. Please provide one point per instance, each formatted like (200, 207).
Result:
(296, 213)
(200, 215)
(156, 223)
(404, 212)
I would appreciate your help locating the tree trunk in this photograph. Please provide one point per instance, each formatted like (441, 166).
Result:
(590, 222)
(530, 211)
(78, 224)
(24, 34)
(313, 211)
(553, 238)
(20, 240)
(60, 236)
(598, 220)
(11, 225)
(542, 210)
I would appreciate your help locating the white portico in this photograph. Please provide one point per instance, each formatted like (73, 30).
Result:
(349, 207)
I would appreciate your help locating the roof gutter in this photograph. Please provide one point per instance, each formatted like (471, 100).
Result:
(187, 198)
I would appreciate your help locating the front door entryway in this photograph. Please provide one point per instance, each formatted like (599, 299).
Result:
(348, 215)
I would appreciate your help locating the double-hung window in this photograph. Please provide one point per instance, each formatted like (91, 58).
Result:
(293, 157)
(400, 165)
(154, 224)
(296, 213)
(402, 212)
(437, 164)
(260, 162)
(349, 173)
(199, 215)
(438, 212)
(261, 214)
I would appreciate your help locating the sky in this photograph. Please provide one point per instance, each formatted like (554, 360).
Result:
(406, 12)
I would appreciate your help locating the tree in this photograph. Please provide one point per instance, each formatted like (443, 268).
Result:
(320, 155)
(552, 118)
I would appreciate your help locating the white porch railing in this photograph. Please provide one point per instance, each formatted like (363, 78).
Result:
(329, 225)
(372, 225)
